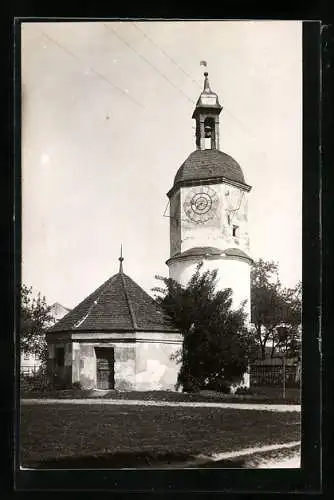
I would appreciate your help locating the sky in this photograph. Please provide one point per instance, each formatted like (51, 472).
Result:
(106, 123)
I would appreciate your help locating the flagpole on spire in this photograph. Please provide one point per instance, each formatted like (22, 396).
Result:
(121, 260)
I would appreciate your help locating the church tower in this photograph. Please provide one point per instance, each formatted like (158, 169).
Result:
(208, 209)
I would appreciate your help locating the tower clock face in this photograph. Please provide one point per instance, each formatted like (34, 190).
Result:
(201, 204)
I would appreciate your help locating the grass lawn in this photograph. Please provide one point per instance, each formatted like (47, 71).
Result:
(268, 395)
(116, 436)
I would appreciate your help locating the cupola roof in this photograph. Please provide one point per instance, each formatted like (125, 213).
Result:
(207, 98)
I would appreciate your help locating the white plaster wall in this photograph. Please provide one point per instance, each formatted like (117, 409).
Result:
(143, 364)
(232, 273)
(217, 232)
(87, 366)
(193, 234)
(175, 223)
(75, 362)
(125, 366)
(84, 364)
(68, 354)
(154, 368)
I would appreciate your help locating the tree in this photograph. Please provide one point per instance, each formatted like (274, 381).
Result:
(287, 335)
(216, 343)
(275, 311)
(34, 318)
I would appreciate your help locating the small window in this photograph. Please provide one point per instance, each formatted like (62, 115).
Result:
(234, 230)
(60, 356)
(229, 219)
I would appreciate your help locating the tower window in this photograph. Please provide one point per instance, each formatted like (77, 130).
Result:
(234, 230)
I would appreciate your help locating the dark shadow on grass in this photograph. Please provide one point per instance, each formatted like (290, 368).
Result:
(113, 461)
(225, 464)
(133, 460)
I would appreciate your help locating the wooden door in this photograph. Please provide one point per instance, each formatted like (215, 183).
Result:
(105, 367)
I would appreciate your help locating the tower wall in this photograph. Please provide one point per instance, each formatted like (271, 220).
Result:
(209, 211)
(175, 223)
(231, 211)
(233, 273)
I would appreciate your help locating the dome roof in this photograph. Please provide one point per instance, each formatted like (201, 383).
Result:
(208, 164)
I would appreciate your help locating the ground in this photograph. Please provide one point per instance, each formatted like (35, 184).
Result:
(117, 435)
(271, 395)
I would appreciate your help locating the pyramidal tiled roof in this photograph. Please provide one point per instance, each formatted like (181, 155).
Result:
(119, 304)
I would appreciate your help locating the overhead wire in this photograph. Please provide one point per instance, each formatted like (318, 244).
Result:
(147, 61)
(166, 55)
(116, 87)
(93, 70)
(245, 128)
(157, 70)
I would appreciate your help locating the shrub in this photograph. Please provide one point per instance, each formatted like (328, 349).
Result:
(77, 385)
(38, 382)
(219, 385)
(244, 391)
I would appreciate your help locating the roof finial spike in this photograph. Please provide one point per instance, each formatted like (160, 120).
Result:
(206, 82)
(121, 260)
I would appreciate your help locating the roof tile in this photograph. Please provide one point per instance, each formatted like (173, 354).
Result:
(209, 163)
(118, 304)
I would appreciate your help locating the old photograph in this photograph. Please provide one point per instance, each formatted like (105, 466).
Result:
(161, 271)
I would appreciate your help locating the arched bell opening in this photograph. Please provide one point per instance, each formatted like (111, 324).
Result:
(209, 133)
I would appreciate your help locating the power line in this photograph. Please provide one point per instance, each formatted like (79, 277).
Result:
(100, 75)
(149, 63)
(154, 67)
(186, 73)
(97, 73)
(166, 55)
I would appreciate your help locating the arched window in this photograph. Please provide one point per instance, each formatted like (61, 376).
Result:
(209, 133)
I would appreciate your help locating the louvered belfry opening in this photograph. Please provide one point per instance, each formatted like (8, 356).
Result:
(209, 133)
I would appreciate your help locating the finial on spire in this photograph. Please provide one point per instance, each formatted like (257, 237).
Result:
(121, 260)
(206, 82)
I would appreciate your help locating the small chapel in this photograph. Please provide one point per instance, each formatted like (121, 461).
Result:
(119, 337)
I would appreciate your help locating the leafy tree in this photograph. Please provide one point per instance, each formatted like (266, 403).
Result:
(216, 343)
(275, 311)
(34, 318)
(287, 335)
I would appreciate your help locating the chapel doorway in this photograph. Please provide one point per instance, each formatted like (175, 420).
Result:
(105, 362)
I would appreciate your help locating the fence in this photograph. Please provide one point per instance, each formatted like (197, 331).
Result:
(29, 370)
(272, 375)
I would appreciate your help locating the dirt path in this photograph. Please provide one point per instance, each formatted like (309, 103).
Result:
(276, 456)
(124, 402)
